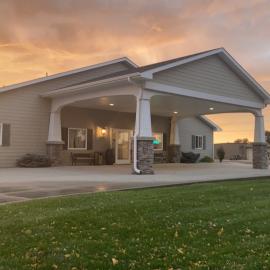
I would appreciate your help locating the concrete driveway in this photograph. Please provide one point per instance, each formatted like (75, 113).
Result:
(19, 184)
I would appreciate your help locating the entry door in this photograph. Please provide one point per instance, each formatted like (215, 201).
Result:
(122, 146)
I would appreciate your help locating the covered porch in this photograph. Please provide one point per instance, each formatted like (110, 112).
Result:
(173, 91)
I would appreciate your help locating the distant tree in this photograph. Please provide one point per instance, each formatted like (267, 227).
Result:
(220, 153)
(243, 140)
(267, 136)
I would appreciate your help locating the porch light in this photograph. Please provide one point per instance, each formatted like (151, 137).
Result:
(111, 104)
(101, 132)
(211, 108)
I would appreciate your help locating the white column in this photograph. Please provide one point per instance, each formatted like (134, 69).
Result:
(174, 134)
(143, 126)
(55, 127)
(259, 132)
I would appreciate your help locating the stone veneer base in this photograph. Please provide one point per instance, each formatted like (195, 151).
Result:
(260, 159)
(145, 155)
(174, 153)
(54, 151)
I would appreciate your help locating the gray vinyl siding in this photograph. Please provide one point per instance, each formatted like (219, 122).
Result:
(194, 126)
(73, 117)
(28, 113)
(210, 75)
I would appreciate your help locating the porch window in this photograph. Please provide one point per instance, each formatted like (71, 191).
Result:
(198, 142)
(158, 141)
(77, 138)
(1, 134)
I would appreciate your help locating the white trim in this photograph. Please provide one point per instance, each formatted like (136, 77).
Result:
(66, 73)
(150, 72)
(227, 58)
(210, 123)
(85, 148)
(1, 134)
(75, 88)
(164, 88)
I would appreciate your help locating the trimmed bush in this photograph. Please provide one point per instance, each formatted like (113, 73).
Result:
(34, 161)
(220, 153)
(206, 159)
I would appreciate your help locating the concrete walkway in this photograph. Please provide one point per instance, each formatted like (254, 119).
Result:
(19, 184)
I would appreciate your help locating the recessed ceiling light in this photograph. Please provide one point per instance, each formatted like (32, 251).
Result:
(111, 104)
(175, 112)
(211, 108)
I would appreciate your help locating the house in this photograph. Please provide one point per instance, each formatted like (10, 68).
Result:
(158, 107)
(241, 151)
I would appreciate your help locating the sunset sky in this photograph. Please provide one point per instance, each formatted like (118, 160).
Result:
(38, 36)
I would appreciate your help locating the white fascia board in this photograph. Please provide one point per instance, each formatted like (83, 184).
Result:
(76, 88)
(196, 94)
(66, 73)
(150, 72)
(210, 123)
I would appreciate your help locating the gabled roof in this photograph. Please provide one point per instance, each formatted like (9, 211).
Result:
(67, 73)
(146, 72)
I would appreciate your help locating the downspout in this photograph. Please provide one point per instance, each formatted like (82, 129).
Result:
(135, 167)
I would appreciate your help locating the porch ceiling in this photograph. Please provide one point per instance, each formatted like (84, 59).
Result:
(163, 105)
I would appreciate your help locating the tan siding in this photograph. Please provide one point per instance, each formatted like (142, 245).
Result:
(209, 75)
(28, 114)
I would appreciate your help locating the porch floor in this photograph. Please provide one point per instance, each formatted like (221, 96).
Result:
(18, 184)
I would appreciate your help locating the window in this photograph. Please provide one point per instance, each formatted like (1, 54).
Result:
(158, 141)
(77, 138)
(1, 134)
(198, 142)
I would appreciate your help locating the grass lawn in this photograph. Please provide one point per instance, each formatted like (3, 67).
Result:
(203, 226)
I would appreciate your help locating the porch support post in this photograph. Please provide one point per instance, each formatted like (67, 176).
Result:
(260, 159)
(55, 143)
(143, 133)
(174, 148)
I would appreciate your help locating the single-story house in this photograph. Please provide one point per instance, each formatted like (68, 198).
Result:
(241, 151)
(136, 110)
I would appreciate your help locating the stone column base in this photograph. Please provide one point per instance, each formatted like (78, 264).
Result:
(174, 153)
(145, 155)
(54, 150)
(260, 159)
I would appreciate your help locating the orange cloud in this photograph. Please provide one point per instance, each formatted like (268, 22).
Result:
(56, 35)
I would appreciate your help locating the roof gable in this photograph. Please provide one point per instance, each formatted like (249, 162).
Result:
(150, 70)
(210, 75)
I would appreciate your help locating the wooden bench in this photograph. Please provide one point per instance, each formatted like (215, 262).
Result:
(89, 157)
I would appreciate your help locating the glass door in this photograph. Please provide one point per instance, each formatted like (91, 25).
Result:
(122, 146)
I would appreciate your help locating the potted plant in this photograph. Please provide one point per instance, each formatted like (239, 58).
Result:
(220, 153)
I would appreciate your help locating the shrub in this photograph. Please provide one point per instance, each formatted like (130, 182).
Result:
(220, 153)
(206, 159)
(189, 157)
(34, 161)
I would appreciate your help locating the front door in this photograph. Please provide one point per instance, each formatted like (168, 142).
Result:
(122, 146)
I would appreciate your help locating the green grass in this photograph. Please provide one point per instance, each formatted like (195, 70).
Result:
(204, 226)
